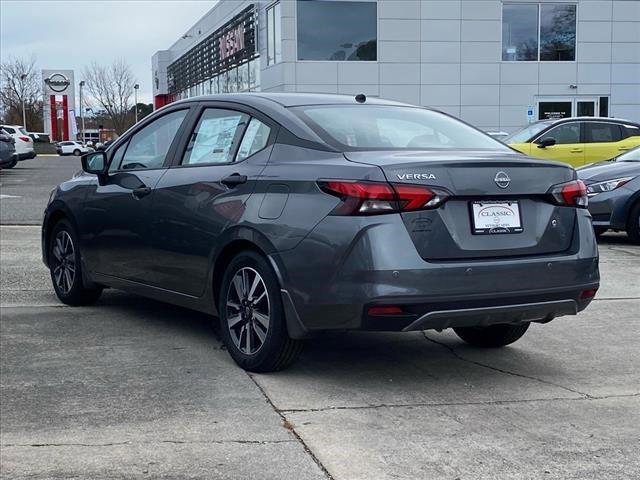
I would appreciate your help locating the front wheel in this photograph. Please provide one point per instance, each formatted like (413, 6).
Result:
(66, 269)
(77, 152)
(252, 320)
(633, 224)
(493, 336)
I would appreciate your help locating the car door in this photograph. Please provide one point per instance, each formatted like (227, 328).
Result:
(568, 147)
(205, 192)
(603, 140)
(116, 214)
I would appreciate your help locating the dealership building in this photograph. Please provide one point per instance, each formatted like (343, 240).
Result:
(497, 64)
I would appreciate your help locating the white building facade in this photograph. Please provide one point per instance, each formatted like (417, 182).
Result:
(496, 64)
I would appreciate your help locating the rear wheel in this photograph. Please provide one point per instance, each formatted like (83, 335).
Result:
(252, 321)
(633, 224)
(66, 268)
(493, 336)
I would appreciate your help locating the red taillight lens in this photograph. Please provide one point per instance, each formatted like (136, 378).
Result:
(370, 198)
(384, 310)
(571, 194)
(25, 139)
(588, 293)
(361, 198)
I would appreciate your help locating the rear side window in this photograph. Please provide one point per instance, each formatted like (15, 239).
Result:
(631, 131)
(149, 147)
(563, 134)
(10, 130)
(254, 140)
(215, 137)
(602, 132)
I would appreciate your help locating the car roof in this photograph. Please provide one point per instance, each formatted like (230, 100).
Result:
(293, 99)
(590, 119)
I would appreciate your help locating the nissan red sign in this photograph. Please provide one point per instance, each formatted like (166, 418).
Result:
(232, 42)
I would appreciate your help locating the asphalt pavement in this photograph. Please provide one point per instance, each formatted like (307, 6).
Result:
(132, 388)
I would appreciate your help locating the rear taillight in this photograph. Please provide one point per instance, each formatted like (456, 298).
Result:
(570, 194)
(25, 139)
(371, 198)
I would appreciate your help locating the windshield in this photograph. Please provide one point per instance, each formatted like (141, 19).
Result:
(630, 156)
(386, 127)
(524, 134)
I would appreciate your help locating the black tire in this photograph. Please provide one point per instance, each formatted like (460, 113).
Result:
(599, 231)
(633, 223)
(77, 152)
(269, 348)
(493, 336)
(65, 267)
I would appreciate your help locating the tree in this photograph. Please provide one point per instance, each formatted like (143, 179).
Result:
(20, 81)
(144, 109)
(111, 88)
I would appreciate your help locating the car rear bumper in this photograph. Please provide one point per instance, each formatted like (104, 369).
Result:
(330, 286)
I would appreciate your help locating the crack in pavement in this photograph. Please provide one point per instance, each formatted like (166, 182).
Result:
(291, 428)
(174, 442)
(454, 404)
(506, 372)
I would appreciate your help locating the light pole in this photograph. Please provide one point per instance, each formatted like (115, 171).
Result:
(23, 77)
(84, 137)
(135, 95)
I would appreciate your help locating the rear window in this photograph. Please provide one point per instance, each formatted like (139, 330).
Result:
(377, 127)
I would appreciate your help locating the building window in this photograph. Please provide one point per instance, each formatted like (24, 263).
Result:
(274, 35)
(538, 32)
(337, 30)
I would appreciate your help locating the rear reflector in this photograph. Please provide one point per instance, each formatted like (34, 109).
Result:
(370, 198)
(384, 310)
(588, 293)
(571, 194)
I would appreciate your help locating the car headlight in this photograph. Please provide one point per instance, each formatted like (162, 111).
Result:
(606, 186)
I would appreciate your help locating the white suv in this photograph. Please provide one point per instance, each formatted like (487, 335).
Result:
(24, 143)
(71, 147)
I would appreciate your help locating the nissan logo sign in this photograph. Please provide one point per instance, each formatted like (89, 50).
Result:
(502, 180)
(57, 82)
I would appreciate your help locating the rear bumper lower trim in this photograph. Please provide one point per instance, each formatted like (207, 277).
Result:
(485, 316)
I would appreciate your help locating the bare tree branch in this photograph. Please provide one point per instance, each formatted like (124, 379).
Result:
(19, 79)
(111, 88)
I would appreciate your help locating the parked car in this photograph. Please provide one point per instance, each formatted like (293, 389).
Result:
(8, 157)
(288, 215)
(577, 141)
(23, 142)
(614, 194)
(72, 147)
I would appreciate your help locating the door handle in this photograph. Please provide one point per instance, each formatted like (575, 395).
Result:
(138, 193)
(576, 150)
(624, 149)
(234, 180)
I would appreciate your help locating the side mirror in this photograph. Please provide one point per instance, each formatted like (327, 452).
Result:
(547, 142)
(95, 162)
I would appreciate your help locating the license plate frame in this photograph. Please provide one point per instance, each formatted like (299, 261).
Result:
(496, 223)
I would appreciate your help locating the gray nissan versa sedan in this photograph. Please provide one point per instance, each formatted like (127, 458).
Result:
(287, 215)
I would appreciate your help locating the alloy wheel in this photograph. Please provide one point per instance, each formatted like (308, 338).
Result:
(248, 311)
(64, 267)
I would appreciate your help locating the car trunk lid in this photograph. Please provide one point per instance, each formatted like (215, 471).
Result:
(494, 181)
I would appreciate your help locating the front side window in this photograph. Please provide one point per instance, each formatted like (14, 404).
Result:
(538, 32)
(274, 35)
(393, 128)
(215, 136)
(564, 134)
(337, 30)
(254, 140)
(603, 132)
(148, 148)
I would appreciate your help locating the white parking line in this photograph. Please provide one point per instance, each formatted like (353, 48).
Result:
(2, 195)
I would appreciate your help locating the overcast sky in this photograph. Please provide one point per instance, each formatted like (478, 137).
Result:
(71, 34)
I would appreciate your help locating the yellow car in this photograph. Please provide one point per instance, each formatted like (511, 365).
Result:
(577, 141)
